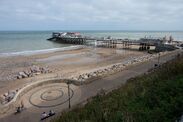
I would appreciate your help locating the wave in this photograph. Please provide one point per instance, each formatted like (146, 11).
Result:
(32, 52)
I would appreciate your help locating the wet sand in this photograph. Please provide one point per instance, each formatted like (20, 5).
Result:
(63, 64)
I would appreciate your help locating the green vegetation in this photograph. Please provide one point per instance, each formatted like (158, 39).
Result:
(152, 97)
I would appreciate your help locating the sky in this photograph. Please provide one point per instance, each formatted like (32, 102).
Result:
(91, 15)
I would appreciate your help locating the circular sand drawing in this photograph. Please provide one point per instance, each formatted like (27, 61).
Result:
(50, 96)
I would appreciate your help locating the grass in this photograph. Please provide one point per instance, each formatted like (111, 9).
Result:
(152, 97)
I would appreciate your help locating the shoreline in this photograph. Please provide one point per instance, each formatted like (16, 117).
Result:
(43, 51)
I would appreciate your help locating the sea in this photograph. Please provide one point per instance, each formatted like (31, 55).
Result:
(30, 42)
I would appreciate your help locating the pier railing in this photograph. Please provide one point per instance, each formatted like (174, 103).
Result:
(141, 44)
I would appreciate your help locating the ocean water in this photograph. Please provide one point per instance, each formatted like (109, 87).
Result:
(177, 35)
(20, 42)
(16, 41)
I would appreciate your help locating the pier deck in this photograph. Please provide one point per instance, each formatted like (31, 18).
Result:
(76, 38)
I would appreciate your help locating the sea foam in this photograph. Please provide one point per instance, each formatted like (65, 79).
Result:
(33, 52)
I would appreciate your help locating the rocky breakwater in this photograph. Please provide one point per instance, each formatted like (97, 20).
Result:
(115, 67)
(99, 72)
(7, 97)
(32, 71)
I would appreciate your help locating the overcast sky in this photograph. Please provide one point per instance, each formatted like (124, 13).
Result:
(91, 14)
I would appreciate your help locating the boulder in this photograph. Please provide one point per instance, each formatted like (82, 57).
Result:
(89, 75)
(5, 94)
(35, 69)
(44, 70)
(37, 73)
(74, 78)
(23, 74)
(85, 76)
(80, 76)
(93, 74)
(19, 77)
(31, 74)
(27, 72)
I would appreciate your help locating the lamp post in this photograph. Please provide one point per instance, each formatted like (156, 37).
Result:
(156, 65)
(68, 86)
(158, 58)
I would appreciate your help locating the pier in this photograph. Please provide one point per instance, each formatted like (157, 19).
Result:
(68, 40)
(125, 44)
(141, 44)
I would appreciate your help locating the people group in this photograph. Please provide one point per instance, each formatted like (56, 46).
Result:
(44, 115)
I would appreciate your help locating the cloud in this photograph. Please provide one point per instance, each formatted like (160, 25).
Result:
(93, 14)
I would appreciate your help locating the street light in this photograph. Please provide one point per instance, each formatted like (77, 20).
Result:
(158, 58)
(156, 65)
(68, 86)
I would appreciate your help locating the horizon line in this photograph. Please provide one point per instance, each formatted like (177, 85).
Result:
(97, 30)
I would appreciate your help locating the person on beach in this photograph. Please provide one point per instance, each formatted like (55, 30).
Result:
(51, 112)
(22, 104)
(43, 115)
(18, 109)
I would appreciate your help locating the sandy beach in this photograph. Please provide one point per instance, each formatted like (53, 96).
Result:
(63, 64)
(54, 95)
